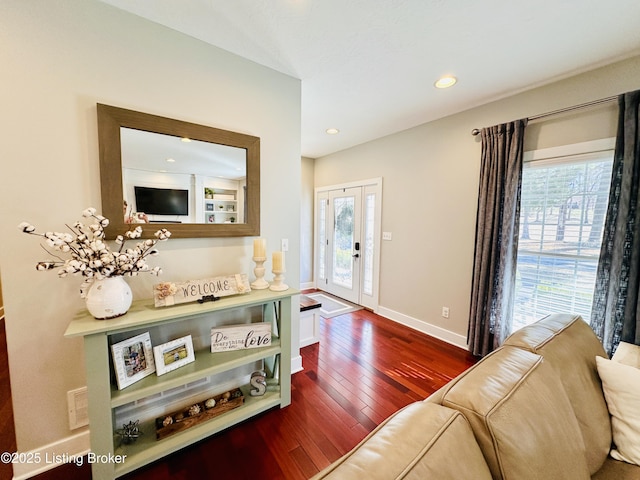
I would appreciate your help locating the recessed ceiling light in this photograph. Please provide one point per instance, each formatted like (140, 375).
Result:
(185, 139)
(332, 131)
(170, 160)
(446, 81)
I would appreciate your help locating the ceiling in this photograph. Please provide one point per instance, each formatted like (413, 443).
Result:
(158, 153)
(368, 67)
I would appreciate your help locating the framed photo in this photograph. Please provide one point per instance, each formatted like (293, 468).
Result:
(174, 354)
(133, 359)
(209, 206)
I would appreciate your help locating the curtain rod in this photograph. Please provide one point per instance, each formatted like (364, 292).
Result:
(476, 131)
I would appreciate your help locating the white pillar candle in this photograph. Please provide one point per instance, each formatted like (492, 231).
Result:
(278, 261)
(260, 247)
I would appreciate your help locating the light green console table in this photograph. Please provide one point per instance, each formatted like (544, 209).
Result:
(104, 397)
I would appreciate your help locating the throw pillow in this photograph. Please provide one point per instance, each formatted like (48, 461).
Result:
(628, 354)
(621, 385)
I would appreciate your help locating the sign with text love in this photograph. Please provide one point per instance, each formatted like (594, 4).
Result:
(240, 337)
(209, 289)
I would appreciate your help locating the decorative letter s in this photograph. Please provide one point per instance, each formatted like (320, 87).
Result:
(259, 383)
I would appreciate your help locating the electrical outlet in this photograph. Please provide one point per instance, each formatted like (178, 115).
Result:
(284, 244)
(445, 312)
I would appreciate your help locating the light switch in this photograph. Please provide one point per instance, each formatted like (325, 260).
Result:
(387, 236)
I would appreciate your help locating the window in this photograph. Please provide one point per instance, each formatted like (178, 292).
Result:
(322, 235)
(565, 192)
(369, 243)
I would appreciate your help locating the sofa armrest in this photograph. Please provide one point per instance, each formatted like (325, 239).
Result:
(423, 440)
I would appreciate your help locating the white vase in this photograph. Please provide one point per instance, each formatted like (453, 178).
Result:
(109, 298)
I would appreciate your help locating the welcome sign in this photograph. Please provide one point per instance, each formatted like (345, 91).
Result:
(209, 289)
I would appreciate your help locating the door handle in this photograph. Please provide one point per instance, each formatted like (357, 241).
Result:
(356, 255)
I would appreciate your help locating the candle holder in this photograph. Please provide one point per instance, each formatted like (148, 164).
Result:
(278, 284)
(260, 283)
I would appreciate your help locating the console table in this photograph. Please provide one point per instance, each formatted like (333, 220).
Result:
(104, 397)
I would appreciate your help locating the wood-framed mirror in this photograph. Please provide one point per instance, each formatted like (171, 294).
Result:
(194, 180)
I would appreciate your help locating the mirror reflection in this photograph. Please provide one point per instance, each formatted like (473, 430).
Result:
(195, 180)
(169, 179)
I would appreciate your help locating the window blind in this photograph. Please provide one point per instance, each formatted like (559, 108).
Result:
(563, 206)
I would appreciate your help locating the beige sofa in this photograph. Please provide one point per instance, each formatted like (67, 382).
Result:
(533, 409)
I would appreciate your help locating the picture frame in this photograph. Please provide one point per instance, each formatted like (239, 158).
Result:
(174, 354)
(133, 359)
(209, 207)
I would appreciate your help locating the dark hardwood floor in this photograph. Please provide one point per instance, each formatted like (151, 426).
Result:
(364, 369)
(7, 431)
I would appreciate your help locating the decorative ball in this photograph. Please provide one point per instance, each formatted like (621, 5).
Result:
(194, 410)
(167, 421)
(210, 403)
(236, 394)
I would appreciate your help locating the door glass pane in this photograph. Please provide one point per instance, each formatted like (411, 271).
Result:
(343, 241)
(369, 224)
(322, 239)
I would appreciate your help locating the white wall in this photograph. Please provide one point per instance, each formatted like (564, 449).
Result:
(431, 187)
(306, 224)
(59, 59)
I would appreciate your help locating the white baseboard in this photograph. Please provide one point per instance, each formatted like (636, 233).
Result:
(424, 327)
(296, 364)
(67, 450)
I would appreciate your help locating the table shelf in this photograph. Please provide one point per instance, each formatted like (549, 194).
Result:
(147, 449)
(104, 397)
(205, 365)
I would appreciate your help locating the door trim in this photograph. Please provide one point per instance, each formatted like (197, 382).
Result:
(369, 301)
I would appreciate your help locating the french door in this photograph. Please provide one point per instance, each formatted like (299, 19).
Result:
(347, 241)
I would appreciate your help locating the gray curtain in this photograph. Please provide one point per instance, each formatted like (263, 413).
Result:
(615, 315)
(496, 241)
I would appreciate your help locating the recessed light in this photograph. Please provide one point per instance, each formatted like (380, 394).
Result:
(446, 81)
(185, 139)
(170, 160)
(332, 131)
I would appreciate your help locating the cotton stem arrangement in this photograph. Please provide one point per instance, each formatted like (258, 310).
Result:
(90, 256)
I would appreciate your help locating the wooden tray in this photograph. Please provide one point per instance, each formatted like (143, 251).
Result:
(198, 412)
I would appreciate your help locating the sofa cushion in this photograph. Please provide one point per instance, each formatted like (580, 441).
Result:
(628, 354)
(615, 470)
(568, 343)
(423, 440)
(521, 417)
(621, 384)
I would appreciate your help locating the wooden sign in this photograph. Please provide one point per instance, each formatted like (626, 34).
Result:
(209, 289)
(240, 337)
(197, 413)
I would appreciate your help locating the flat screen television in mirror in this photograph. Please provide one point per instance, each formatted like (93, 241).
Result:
(161, 201)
